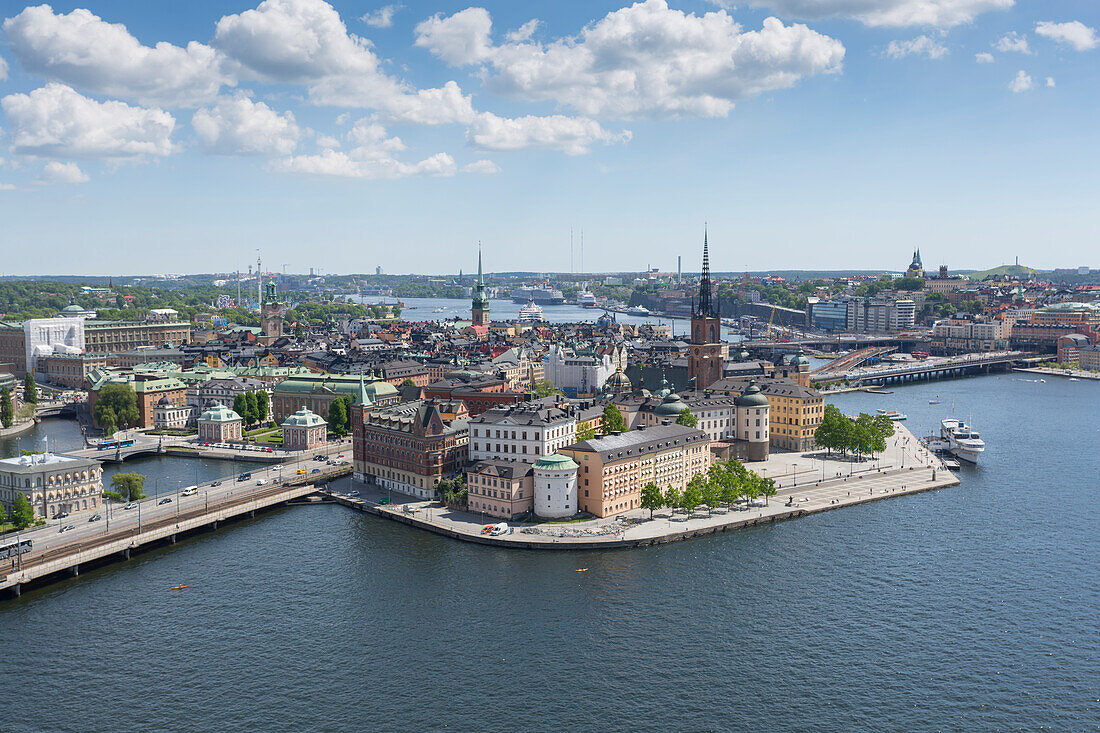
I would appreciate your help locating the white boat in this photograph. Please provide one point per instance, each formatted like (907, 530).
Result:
(638, 310)
(893, 414)
(531, 313)
(964, 443)
(935, 401)
(586, 299)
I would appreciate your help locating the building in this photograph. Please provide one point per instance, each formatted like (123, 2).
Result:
(69, 370)
(969, 334)
(916, 267)
(577, 373)
(794, 411)
(222, 390)
(480, 304)
(317, 392)
(499, 489)
(521, 434)
(612, 469)
(271, 314)
(113, 337)
(45, 336)
(150, 389)
(219, 424)
(1088, 358)
(304, 430)
(170, 416)
(480, 393)
(708, 354)
(828, 315)
(409, 447)
(554, 486)
(52, 483)
(873, 315)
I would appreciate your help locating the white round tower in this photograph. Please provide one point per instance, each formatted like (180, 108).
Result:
(555, 486)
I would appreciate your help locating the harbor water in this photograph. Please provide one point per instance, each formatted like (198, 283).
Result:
(972, 608)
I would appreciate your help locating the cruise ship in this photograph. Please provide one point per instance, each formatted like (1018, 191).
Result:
(638, 310)
(531, 313)
(539, 294)
(962, 442)
(586, 299)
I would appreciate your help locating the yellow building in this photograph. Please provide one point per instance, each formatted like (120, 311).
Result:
(796, 410)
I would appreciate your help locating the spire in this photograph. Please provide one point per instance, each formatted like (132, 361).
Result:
(704, 282)
(480, 279)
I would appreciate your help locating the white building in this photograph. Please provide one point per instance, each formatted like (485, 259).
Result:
(554, 486)
(45, 336)
(52, 483)
(577, 374)
(521, 433)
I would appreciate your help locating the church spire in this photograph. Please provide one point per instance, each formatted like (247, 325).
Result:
(705, 308)
(480, 279)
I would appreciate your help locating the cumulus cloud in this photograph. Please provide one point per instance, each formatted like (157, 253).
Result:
(56, 121)
(486, 167)
(239, 126)
(642, 60)
(571, 135)
(334, 164)
(1012, 42)
(58, 172)
(894, 13)
(3, 69)
(1074, 33)
(381, 18)
(1021, 83)
(84, 51)
(983, 57)
(1050, 81)
(919, 46)
(524, 32)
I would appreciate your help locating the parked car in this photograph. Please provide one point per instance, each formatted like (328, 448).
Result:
(95, 517)
(353, 494)
(165, 500)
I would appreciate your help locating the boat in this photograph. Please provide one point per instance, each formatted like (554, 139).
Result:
(581, 570)
(935, 401)
(179, 587)
(531, 313)
(439, 310)
(586, 299)
(893, 414)
(540, 294)
(963, 442)
(1073, 379)
(950, 463)
(638, 310)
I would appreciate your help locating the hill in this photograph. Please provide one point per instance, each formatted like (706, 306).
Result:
(1006, 271)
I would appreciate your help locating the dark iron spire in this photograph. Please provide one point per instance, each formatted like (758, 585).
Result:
(705, 306)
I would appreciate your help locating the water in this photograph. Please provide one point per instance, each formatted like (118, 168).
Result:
(970, 608)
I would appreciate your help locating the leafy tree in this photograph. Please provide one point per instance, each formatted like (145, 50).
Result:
(338, 417)
(30, 390)
(611, 420)
(693, 493)
(686, 418)
(711, 494)
(767, 488)
(263, 406)
(408, 383)
(586, 432)
(240, 406)
(126, 487)
(672, 497)
(652, 498)
(107, 421)
(909, 283)
(117, 401)
(7, 412)
(545, 388)
(298, 330)
(252, 407)
(22, 515)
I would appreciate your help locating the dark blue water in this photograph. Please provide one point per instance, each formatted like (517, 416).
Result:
(973, 608)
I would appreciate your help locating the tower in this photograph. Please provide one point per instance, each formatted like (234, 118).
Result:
(916, 267)
(271, 313)
(480, 305)
(707, 357)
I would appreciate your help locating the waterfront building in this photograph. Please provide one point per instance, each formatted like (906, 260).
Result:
(708, 354)
(554, 486)
(523, 433)
(304, 430)
(1088, 358)
(169, 416)
(52, 483)
(828, 315)
(409, 447)
(612, 469)
(480, 304)
(966, 334)
(499, 488)
(794, 411)
(69, 369)
(317, 391)
(219, 424)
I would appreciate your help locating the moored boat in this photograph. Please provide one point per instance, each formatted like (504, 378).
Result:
(963, 442)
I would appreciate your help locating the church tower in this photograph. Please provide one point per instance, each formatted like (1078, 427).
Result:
(480, 304)
(707, 357)
(271, 313)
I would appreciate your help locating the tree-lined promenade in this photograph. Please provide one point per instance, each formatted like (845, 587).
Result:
(865, 435)
(724, 484)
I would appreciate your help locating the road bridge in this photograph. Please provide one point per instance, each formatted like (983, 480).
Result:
(842, 343)
(935, 368)
(853, 360)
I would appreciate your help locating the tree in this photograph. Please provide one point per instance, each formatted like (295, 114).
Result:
(119, 402)
(545, 388)
(408, 383)
(240, 406)
(686, 418)
(30, 390)
(126, 487)
(252, 407)
(767, 488)
(693, 493)
(672, 498)
(338, 417)
(297, 330)
(7, 412)
(711, 494)
(612, 420)
(586, 432)
(262, 406)
(652, 498)
(22, 515)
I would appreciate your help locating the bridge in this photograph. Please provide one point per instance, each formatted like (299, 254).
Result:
(843, 342)
(143, 446)
(935, 368)
(854, 359)
(56, 409)
(153, 522)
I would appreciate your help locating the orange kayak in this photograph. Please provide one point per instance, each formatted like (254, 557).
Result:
(178, 587)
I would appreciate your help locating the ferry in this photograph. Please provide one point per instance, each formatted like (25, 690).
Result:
(893, 414)
(962, 441)
(531, 313)
(638, 310)
(540, 294)
(586, 299)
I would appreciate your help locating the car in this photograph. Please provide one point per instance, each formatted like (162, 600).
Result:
(316, 470)
(60, 515)
(487, 529)
(300, 472)
(189, 492)
(353, 494)
(131, 505)
(215, 483)
(95, 517)
(261, 482)
(319, 458)
(165, 500)
(66, 528)
(244, 476)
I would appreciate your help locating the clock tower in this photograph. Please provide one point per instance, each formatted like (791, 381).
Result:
(708, 354)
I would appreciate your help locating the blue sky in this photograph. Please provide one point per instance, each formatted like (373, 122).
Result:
(142, 137)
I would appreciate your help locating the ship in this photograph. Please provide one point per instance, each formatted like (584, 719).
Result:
(531, 313)
(586, 299)
(538, 294)
(638, 310)
(962, 441)
(892, 414)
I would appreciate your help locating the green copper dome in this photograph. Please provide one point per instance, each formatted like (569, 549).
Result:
(800, 359)
(556, 462)
(671, 406)
(752, 397)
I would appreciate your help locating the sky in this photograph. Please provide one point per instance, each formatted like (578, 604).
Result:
(179, 137)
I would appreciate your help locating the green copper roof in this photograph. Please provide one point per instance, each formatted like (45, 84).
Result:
(556, 462)
(752, 397)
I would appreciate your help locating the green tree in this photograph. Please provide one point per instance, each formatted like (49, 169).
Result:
(117, 401)
(240, 406)
(545, 388)
(252, 407)
(263, 406)
(611, 420)
(126, 487)
(693, 493)
(586, 432)
(711, 494)
(298, 330)
(30, 390)
(767, 488)
(7, 412)
(338, 417)
(672, 497)
(686, 418)
(652, 498)
(408, 383)
(22, 515)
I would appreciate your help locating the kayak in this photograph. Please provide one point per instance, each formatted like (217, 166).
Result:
(582, 570)
(178, 587)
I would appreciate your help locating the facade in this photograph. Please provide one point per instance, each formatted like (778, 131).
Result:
(520, 434)
(150, 390)
(271, 313)
(577, 374)
(170, 416)
(499, 489)
(708, 354)
(794, 411)
(52, 483)
(874, 315)
(68, 370)
(317, 392)
(554, 486)
(409, 447)
(916, 267)
(479, 308)
(219, 424)
(112, 337)
(13, 348)
(828, 315)
(479, 393)
(614, 468)
(304, 430)
(222, 390)
(968, 334)
(45, 336)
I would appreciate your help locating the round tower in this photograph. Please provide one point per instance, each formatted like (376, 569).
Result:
(555, 486)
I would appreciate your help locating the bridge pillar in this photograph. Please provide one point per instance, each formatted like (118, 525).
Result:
(75, 570)
(172, 539)
(16, 590)
(126, 553)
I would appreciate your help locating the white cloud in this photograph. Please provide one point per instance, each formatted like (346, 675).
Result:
(327, 141)
(983, 57)
(460, 39)
(1021, 83)
(333, 164)
(3, 69)
(85, 51)
(1074, 33)
(1012, 42)
(939, 13)
(524, 32)
(1050, 81)
(56, 121)
(643, 60)
(239, 126)
(571, 135)
(381, 18)
(437, 106)
(57, 172)
(921, 45)
(7, 186)
(371, 140)
(486, 167)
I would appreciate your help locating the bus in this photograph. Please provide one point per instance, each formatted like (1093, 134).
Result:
(12, 548)
(112, 443)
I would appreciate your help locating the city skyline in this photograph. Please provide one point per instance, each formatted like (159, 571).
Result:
(346, 136)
